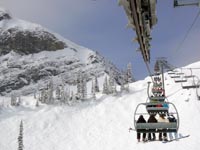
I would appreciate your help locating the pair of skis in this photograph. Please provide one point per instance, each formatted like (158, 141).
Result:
(175, 139)
(167, 141)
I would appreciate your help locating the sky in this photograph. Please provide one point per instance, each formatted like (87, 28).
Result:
(100, 25)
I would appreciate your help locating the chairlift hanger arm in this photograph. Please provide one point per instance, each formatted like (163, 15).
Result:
(179, 3)
(141, 18)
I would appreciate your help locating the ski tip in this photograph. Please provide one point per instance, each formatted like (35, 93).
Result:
(176, 139)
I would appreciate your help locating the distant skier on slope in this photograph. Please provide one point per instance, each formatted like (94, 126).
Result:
(152, 119)
(141, 120)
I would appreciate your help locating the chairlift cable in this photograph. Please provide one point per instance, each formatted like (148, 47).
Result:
(187, 33)
(149, 71)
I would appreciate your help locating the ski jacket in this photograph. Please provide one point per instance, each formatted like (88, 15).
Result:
(171, 118)
(163, 119)
(166, 105)
(141, 119)
(152, 119)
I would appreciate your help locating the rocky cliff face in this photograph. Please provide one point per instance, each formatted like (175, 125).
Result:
(26, 42)
(30, 55)
(24, 37)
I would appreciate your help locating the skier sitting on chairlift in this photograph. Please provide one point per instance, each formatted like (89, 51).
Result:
(141, 120)
(162, 135)
(152, 119)
(171, 118)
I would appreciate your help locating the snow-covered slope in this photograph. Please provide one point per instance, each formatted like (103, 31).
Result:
(31, 54)
(101, 124)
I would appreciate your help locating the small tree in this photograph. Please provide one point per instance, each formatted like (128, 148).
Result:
(81, 87)
(96, 84)
(125, 82)
(129, 75)
(44, 96)
(115, 89)
(84, 89)
(79, 83)
(67, 96)
(62, 94)
(112, 86)
(122, 86)
(35, 94)
(72, 97)
(37, 103)
(18, 101)
(58, 93)
(50, 92)
(13, 100)
(93, 91)
(105, 86)
(20, 137)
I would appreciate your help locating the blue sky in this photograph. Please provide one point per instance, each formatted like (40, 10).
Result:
(101, 26)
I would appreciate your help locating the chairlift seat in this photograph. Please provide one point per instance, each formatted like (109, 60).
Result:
(156, 99)
(189, 76)
(176, 76)
(178, 81)
(180, 73)
(190, 86)
(156, 127)
(171, 73)
(156, 91)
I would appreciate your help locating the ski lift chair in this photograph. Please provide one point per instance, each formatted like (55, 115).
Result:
(180, 73)
(181, 79)
(154, 99)
(198, 91)
(175, 76)
(171, 73)
(157, 90)
(171, 126)
(190, 75)
(191, 83)
(157, 78)
(175, 3)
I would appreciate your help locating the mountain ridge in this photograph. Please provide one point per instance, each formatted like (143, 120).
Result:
(31, 54)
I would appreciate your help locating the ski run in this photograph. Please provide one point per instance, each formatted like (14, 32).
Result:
(101, 124)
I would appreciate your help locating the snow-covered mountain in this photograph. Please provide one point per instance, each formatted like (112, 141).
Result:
(30, 55)
(25, 37)
(100, 124)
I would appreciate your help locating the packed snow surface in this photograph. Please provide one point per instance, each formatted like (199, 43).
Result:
(100, 124)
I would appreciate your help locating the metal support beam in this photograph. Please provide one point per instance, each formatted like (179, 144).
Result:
(178, 3)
